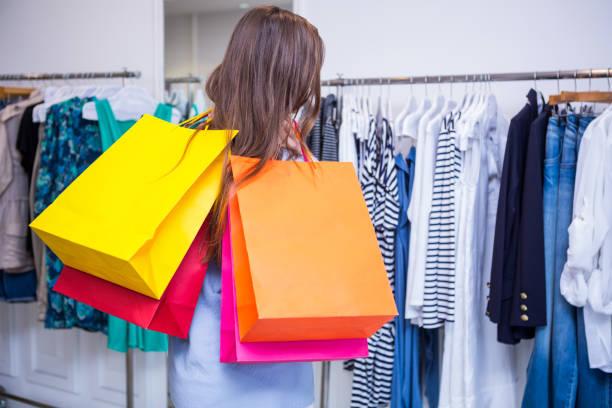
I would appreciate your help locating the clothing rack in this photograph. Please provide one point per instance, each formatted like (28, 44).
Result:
(70, 75)
(5, 396)
(481, 77)
(535, 76)
(189, 79)
(125, 74)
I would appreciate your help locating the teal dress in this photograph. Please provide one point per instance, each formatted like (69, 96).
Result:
(121, 334)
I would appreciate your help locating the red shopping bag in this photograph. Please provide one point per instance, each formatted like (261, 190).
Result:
(235, 351)
(172, 314)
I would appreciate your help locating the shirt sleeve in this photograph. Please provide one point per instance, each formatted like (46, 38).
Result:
(590, 224)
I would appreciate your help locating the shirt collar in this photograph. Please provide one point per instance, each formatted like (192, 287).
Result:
(400, 163)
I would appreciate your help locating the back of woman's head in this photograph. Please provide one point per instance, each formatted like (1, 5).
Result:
(270, 71)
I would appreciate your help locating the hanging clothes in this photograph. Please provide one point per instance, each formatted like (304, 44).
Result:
(70, 144)
(198, 105)
(38, 248)
(27, 140)
(419, 211)
(123, 335)
(586, 280)
(27, 143)
(17, 274)
(509, 290)
(18, 287)
(594, 384)
(406, 386)
(347, 143)
(530, 264)
(329, 133)
(323, 138)
(439, 295)
(537, 389)
(14, 253)
(372, 376)
(477, 371)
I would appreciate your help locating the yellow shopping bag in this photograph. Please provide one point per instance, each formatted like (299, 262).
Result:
(131, 216)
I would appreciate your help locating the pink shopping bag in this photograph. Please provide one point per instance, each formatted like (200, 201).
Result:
(235, 351)
(172, 314)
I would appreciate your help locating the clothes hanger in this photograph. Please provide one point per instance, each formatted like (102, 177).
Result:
(583, 96)
(8, 91)
(471, 102)
(449, 103)
(404, 142)
(554, 99)
(389, 107)
(368, 100)
(128, 103)
(491, 101)
(411, 122)
(380, 110)
(436, 119)
(54, 95)
(430, 114)
(466, 100)
(587, 97)
(440, 99)
(408, 108)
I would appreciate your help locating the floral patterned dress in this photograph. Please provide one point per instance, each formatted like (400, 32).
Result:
(70, 144)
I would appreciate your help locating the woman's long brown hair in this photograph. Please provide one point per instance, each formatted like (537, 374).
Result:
(271, 69)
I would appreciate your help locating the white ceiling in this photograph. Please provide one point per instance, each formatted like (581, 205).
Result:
(174, 7)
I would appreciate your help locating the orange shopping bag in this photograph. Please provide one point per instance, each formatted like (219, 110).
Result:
(312, 268)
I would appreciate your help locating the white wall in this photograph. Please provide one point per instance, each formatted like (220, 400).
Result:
(177, 44)
(408, 37)
(195, 44)
(83, 35)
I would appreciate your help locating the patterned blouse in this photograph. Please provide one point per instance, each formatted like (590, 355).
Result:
(70, 144)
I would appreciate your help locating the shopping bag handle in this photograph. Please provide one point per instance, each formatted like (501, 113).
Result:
(195, 119)
(206, 126)
(305, 152)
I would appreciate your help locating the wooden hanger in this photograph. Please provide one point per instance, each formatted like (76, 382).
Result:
(14, 91)
(590, 96)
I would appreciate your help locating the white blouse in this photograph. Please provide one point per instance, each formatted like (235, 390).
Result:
(586, 280)
(418, 212)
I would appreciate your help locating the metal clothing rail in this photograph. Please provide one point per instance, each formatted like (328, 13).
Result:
(5, 396)
(129, 357)
(129, 388)
(190, 79)
(458, 78)
(70, 75)
(481, 77)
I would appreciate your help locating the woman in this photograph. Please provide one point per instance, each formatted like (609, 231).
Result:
(271, 70)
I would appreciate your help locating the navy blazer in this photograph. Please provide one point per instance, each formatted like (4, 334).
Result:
(517, 299)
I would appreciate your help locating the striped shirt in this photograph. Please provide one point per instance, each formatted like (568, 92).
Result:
(439, 296)
(329, 132)
(372, 376)
(323, 138)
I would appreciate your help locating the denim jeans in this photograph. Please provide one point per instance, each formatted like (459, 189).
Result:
(432, 366)
(564, 339)
(594, 386)
(537, 388)
(582, 125)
